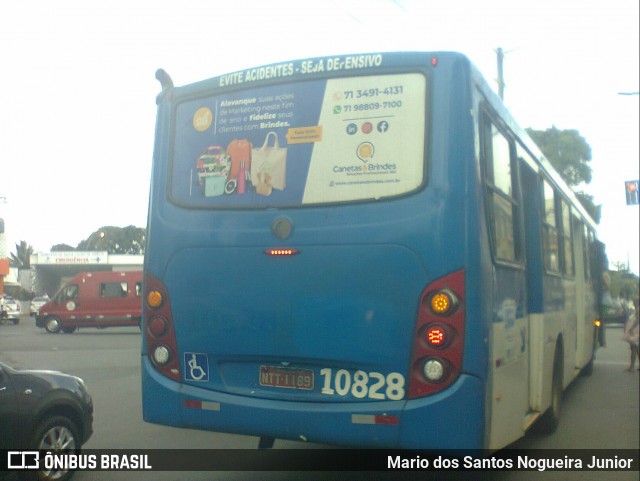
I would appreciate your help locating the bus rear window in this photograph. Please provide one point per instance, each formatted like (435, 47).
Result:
(313, 142)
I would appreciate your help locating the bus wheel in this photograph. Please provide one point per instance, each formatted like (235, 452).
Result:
(52, 325)
(549, 421)
(69, 330)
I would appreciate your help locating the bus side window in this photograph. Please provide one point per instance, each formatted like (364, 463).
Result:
(566, 239)
(579, 233)
(550, 230)
(503, 206)
(590, 262)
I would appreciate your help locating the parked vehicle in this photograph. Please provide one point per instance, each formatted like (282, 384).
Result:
(45, 410)
(9, 309)
(36, 304)
(94, 299)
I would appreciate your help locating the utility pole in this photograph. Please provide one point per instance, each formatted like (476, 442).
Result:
(500, 54)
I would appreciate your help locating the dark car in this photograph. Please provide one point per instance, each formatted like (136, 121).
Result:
(44, 410)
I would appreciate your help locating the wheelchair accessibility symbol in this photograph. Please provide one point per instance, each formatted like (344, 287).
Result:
(196, 366)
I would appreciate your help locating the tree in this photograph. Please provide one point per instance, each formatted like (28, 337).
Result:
(569, 153)
(623, 283)
(22, 258)
(62, 248)
(590, 206)
(116, 240)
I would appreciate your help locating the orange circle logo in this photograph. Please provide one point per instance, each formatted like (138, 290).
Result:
(365, 151)
(202, 119)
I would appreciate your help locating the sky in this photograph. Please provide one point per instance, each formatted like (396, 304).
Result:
(77, 88)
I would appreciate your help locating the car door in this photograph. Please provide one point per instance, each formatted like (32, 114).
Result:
(8, 410)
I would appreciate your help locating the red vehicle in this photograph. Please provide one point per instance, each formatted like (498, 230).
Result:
(94, 299)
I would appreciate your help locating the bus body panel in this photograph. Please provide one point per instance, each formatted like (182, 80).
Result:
(509, 356)
(444, 421)
(341, 307)
(96, 299)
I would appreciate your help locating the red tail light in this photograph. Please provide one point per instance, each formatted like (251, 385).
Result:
(158, 329)
(281, 252)
(436, 358)
(437, 336)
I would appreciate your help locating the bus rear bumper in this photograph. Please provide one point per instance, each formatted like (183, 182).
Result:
(453, 419)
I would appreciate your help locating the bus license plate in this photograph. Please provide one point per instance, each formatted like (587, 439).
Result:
(287, 378)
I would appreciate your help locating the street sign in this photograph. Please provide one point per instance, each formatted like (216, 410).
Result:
(72, 258)
(631, 191)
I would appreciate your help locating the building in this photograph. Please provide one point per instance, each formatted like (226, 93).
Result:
(51, 269)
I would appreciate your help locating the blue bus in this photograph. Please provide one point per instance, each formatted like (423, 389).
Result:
(360, 250)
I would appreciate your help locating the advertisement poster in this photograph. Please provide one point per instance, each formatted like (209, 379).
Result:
(310, 142)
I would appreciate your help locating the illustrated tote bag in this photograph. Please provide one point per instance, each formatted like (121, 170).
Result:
(269, 166)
